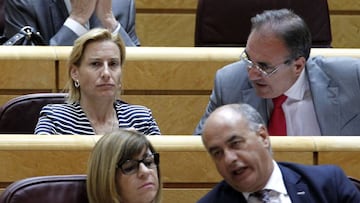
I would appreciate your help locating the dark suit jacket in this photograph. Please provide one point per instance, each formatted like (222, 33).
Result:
(334, 84)
(48, 17)
(310, 184)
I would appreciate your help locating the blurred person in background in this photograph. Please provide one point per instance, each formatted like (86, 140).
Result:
(61, 22)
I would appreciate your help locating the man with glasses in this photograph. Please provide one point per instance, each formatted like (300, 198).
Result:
(320, 96)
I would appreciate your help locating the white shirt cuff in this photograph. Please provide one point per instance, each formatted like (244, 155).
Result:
(75, 26)
(117, 29)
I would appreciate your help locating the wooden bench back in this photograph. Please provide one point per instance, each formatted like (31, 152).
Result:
(187, 170)
(174, 82)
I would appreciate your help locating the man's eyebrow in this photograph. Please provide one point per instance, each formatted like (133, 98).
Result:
(213, 148)
(232, 138)
(263, 64)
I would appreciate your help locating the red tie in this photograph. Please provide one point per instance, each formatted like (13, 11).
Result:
(277, 124)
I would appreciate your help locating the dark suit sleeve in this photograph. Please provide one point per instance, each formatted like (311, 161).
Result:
(64, 37)
(48, 18)
(125, 12)
(18, 13)
(36, 14)
(222, 193)
(228, 85)
(347, 192)
(320, 183)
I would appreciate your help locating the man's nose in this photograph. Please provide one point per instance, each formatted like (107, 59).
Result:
(254, 73)
(230, 156)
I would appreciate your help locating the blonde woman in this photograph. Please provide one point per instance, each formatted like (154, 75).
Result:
(93, 107)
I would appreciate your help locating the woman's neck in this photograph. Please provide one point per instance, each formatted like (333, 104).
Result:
(102, 115)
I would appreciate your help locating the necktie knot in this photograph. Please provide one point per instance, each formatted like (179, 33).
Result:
(278, 101)
(264, 196)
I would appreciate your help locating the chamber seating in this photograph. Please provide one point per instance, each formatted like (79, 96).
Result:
(355, 181)
(46, 189)
(43, 155)
(227, 23)
(20, 114)
(169, 80)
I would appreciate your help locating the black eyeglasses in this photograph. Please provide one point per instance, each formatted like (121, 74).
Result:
(264, 69)
(131, 166)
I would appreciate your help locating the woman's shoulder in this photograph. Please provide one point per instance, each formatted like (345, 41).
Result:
(65, 107)
(126, 106)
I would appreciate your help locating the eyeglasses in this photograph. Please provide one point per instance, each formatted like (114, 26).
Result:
(264, 69)
(131, 166)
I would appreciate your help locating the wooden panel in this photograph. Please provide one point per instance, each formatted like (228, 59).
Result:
(166, 4)
(298, 157)
(294, 149)
(187, 170)
(171, 68)
(190, 195)
(348, 161)
(27, 74)
(172, 23)
(6, 98)
(26, 68)
(191, 4)
(341, 151)
(41, 162)
(165, 29)
(345, 30)
(177, 75)
(175, 114)
(344, 5)
(190, 167)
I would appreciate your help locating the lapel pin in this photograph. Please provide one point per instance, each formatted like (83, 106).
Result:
(301, 193)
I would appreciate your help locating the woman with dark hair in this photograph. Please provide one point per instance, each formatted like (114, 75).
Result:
(123, 167)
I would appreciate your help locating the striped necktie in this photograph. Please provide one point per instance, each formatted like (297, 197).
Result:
(264, 196)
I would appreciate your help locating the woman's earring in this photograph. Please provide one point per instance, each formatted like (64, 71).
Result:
(76, 83)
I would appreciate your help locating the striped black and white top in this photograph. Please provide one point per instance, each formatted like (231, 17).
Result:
(70, 119)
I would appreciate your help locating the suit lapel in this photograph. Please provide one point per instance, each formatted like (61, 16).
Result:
(297, 190)
(250, 97)
(325, 99)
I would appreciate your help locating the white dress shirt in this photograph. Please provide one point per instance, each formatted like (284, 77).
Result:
(276, 183)
(77, 27)
(299, 109)
(74, 25)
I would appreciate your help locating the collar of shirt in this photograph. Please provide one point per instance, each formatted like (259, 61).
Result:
(299, 88)
(275, 182)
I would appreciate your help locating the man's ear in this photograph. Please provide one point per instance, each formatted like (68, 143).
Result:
(299, 65)
(264, 136)
(74, 72)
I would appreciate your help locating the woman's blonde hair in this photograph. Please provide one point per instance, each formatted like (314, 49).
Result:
(111, 149)
(76, 55)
